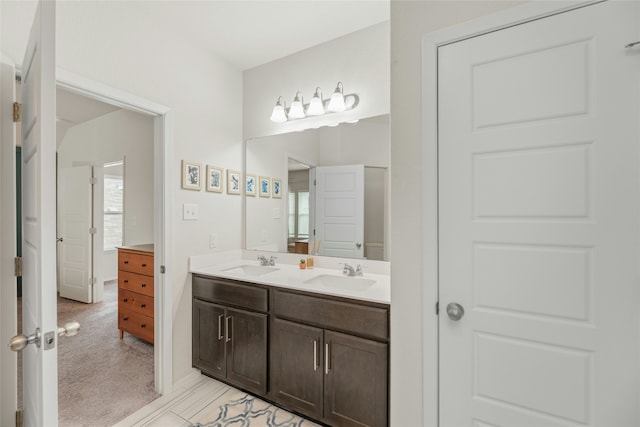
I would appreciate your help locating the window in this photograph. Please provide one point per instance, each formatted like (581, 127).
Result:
(298, 215)
(113, 205)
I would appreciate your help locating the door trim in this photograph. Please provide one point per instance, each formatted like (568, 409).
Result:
(163, 195)
(430, 43)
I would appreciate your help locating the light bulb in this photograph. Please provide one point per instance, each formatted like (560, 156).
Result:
(316, 106)
(296, 111)
(278, 114)
(336, 103)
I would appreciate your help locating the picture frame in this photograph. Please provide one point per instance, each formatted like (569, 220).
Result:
(250, 185)
(233, 182)
(264, 185)
(214, 179)
(191, 175)
(276, 188)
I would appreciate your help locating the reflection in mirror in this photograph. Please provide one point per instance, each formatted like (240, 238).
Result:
(335, 191)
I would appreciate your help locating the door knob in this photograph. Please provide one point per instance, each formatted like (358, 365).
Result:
(358, 245)
(19, 342)
(455, 311)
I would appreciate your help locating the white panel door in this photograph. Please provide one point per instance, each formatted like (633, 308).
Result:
(40, 369)
(8, 249)
(75, 210)
(539, 222)
(340, 210)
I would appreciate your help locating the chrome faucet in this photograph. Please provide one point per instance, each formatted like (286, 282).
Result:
(348, 270)
(264, 261)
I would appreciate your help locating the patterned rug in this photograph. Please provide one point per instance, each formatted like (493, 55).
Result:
(248, 411)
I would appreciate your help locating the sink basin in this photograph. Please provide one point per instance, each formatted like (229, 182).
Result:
(341, 282)
(251, 270)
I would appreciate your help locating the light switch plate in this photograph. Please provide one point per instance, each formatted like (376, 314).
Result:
(189, 212)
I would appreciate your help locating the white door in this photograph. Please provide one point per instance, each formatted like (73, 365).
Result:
(539, 222)
(75, 190)
(8, 283)
(40, 369)
(340, 210)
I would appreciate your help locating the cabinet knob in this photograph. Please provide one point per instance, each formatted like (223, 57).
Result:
(143, 305)
(125, 318)
(144, 265)
(144, 285)
(143, 326)
(126, 262)
(126, 281)
(125, 299)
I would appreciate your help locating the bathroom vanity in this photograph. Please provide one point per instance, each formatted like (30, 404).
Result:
(314, 342)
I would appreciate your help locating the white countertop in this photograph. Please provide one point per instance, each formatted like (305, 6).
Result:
(289, 276)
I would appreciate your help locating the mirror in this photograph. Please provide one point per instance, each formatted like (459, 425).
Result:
(347, 208)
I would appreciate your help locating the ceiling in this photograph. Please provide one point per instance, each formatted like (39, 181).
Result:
(244, 33)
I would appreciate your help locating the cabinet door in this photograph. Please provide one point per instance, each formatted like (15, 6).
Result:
(247, 350)
(208, 338)
(355, 385)
(296, 367)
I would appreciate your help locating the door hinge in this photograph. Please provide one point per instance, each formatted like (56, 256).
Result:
(17, 110)
(93, 180)
(314, 182)
(437, 308)
(93, 230)
(162, 269)
(18, 266)
(19, 418)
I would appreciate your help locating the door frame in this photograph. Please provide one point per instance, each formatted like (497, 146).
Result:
(430, 292)
(163, 196)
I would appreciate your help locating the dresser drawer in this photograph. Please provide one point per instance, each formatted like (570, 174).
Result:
(139, 303)
(231, 293)
(359, 319)
(136, 283)
(136, 324)
(135, 262)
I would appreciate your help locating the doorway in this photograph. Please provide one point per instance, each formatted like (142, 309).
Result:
(535, 236)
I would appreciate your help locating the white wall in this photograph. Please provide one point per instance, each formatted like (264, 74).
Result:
(359, 60)
(410, 20)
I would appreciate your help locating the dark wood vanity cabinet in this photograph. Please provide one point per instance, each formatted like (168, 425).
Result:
(230, 332)
(339, 378)
(328, 357)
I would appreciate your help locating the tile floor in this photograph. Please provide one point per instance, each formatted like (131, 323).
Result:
(204, 402)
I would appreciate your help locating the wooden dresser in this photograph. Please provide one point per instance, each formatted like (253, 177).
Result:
(135, 291)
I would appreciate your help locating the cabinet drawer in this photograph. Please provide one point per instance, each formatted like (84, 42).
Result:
(232, 293)
(139, 303)
(136, 283)
(136, 324)
(135, 262)
(359, 319)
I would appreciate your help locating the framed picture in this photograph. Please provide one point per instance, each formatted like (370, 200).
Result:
(233, 182)
(250, 187)
(265, 186)
(276, 188)
(214, 179)
(191, 175)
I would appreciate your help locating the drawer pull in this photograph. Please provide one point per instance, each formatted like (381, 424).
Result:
(144, 265)
(126, 262)
(126, 281)
(220, 336)
(144, 285)
(125, 299)
(143, 326)
(143, 305)
(125, 318)
(315, 355)
(227, 329)
(326, 359)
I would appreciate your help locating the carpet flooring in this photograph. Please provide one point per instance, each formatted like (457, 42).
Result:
(101, 379)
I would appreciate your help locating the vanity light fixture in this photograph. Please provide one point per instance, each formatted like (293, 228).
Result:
(279, 114)
(296, 111)
(336, 103)
(316, 107)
